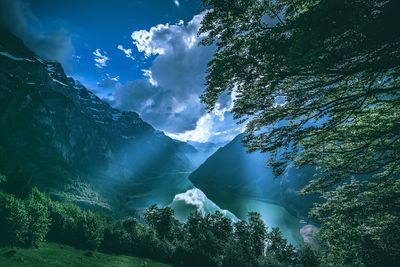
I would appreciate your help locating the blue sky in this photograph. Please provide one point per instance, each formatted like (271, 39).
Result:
(141, 56)
(105, 24)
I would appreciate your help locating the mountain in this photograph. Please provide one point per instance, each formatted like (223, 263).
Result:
(77, 147)
(198, 152)
(232, 173)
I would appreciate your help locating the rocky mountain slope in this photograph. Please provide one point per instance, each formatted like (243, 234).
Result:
(76, 146)
(232, 172)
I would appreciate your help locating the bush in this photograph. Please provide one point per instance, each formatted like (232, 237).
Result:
(308, 257)
(23, 222)
(14, 220)
(64, 223)
(211, 240)
(90, 230)
(162, 220)
(118, 238)
(37, 209)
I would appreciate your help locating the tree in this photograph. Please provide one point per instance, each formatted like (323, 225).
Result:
(64, 223)
(3, 179)
(248, 242)
(23, 222)
(307, 257)
(279, 248)
(39, 218)
(162, 220)
(119, 238)
(317, 81)
(201, 246)
(258, 233)
(361, 224)
(90, 230)
(14, 220)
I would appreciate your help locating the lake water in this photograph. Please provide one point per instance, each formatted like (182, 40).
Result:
(273, 215)
(235, 206)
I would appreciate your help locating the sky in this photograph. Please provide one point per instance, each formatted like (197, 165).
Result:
(141, 56)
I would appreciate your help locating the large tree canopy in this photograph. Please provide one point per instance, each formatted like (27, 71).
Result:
(317, 81)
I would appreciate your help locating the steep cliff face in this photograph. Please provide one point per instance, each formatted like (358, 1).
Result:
(75, 145)
(231, 172)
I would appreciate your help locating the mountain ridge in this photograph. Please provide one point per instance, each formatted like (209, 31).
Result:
(233, 172)
(75, 145)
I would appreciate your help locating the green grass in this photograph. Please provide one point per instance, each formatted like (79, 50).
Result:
(57, 255)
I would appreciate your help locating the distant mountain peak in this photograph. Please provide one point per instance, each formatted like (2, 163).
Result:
(76, 145)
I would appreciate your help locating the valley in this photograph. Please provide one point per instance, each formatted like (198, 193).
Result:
(78, 148)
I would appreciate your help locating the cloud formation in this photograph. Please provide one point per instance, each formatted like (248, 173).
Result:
(100, 58)
(218, 126)
(17, 17)
(108, 81)
(177, 74)
(126, 51)
(168, 96)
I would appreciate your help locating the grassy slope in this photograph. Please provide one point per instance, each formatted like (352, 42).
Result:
(57, 255)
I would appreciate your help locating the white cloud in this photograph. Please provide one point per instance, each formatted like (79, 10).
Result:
(100, 58)
(143, 40)
(115, 79)
(149, 75)
(202, 133)
(167, 38)
(176, 2)
(218, 126)
(126, 51)
(169, 96)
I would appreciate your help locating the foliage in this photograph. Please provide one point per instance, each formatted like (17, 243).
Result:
(119, 236)
(14, 221)
(3, 179)
(316, 80)
(204, 240)
(38, 214)
(64, 223)
(90, 230)
(162, 220)
(308, 257)
(23, 222)
(318, 83)
(70, 225)
(279, 247)
(361, 224)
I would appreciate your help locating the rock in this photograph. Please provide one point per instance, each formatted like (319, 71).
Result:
(308, 233)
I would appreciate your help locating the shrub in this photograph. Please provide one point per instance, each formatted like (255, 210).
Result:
(162, 221)
(90, 230)
(118, 238)
(64, 223)
(37, 210)
(14, 220)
